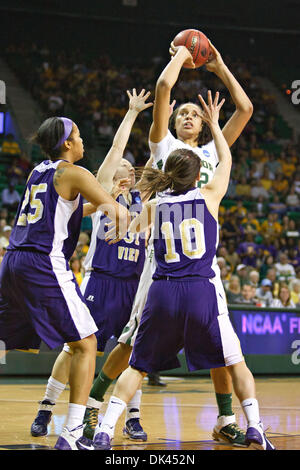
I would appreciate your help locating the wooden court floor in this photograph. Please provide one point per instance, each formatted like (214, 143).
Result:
(180, 416)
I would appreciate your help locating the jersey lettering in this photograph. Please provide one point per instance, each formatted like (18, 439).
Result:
(31, 200)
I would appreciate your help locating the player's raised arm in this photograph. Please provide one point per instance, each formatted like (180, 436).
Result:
(243, 105)
(140, 223)
(216, 189)
(69, 180)
(145, 219)
(137, 103)
(164, 85)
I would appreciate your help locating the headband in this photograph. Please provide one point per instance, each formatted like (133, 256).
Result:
(68, 126)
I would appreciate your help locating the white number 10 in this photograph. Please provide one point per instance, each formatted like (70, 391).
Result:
(185, 228)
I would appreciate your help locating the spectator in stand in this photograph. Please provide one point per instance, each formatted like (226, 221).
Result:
(247, 295)
(243, 247)
(229, 229)
(239, 209)
(261, 207)
(250, 257)
(264, 293)
(288, 167)
(273, 165)
(10, 147)
(15, 173)
(284, 270)
(83, 243)
(280, 185)
(292, 200)
(3, 213)
(75, 265)
(284, 299)
(225, 276)
(277, 206)
(266, 179)
(257, 190)
(243, 189)
(271, 226)
(232, 257)
(268, 263)
(5, 234)
(254, 278)
(271, 275)
(233, 290)
(294, 287)
(10, 198)
(251, 224)
(242, 273)
(269, 246)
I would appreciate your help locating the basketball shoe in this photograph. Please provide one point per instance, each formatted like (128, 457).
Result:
(68, 438)
(39, 426)
(227, 430)
(133, 430)
(256, 438)
(102, 441)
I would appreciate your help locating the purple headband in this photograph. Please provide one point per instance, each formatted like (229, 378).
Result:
(68, 126)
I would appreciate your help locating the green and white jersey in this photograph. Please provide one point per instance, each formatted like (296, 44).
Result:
(207, 153)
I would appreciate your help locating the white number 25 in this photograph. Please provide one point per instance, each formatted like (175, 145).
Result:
(35, 204)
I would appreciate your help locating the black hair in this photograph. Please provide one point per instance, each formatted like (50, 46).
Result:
(48, 135)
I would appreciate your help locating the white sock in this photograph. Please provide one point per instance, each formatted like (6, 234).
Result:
(251, 410)
(53, 390)
(115, 408)
(133, 407)
(92, 403)
(75, 415)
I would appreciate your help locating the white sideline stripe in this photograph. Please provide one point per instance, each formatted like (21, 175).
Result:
(182, 405)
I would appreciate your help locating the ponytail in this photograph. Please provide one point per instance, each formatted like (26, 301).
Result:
(153, 181)
(181, 171)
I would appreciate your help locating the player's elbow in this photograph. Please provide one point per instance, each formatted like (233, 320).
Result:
(163, 85)
(247, 109)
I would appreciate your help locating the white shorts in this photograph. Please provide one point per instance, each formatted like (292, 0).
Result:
(130, 330)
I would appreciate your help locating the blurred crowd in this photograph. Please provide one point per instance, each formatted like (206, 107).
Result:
(259, 250)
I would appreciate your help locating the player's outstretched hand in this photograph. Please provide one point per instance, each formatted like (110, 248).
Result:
(189, 59)
(138, 102)
(215, 61)
(114, 234)
(120, 187)
(211, 110)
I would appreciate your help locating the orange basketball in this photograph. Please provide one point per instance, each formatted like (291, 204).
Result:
(196, 42)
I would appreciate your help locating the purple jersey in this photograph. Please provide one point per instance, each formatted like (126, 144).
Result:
(126, 258)
(45, 222)
(186, 236)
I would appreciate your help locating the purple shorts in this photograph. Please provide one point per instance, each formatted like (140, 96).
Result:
(40, 300)
(110, 302)
(190, 314)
